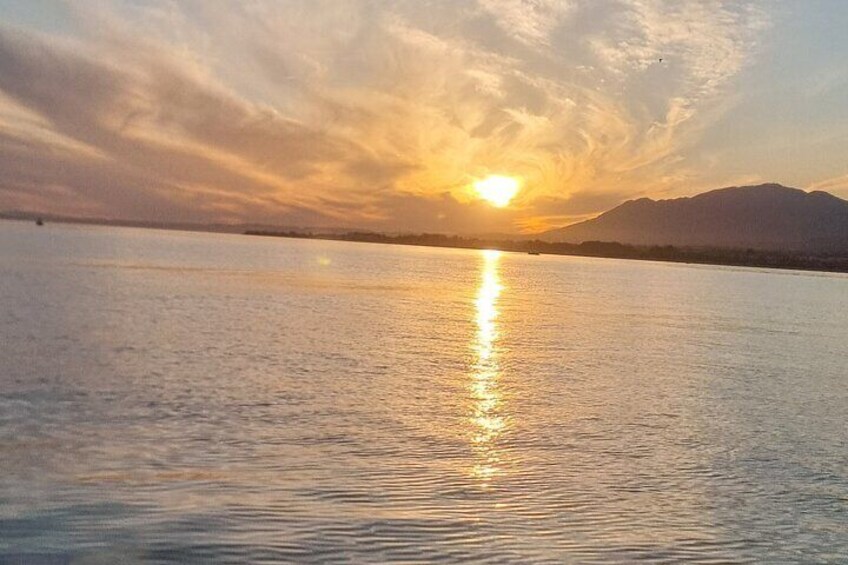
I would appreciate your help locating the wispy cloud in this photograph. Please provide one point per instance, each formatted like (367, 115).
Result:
(528, 21)
(837, 184)
(362, 113)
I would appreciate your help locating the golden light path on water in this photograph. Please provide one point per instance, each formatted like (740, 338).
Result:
(488, 421)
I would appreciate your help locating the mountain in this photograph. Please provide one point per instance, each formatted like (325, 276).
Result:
(767, 216)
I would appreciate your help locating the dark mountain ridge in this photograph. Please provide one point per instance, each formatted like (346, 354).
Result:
(766, 216)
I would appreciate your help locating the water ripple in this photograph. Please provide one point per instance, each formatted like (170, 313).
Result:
(200, 398)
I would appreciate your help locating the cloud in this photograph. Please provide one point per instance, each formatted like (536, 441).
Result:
(528, 21)
(551, 211)
(377, 114)
(160, 130)
(837, 184)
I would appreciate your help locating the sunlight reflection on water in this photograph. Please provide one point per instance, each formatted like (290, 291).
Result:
(487, 417)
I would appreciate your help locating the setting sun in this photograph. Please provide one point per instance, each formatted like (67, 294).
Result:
(497, 190)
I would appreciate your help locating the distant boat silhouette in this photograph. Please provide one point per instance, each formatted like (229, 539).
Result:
(39, 222)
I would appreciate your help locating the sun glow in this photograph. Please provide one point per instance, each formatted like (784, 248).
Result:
(497, 190)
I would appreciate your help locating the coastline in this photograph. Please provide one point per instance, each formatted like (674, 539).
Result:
(729, 257)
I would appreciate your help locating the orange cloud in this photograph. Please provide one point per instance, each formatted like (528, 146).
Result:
(377, 115)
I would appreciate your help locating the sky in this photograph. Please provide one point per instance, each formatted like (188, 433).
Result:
(382, 114)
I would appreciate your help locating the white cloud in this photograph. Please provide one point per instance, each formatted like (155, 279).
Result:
(706, 41)
(528, 21)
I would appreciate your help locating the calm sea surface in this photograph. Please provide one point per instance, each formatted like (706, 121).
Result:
(182, 397)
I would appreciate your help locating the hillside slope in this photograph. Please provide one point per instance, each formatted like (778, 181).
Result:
(768, 216)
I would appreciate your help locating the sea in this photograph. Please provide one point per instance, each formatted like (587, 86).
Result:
(180, 397)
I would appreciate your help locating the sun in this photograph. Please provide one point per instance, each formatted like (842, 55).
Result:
(497, 190)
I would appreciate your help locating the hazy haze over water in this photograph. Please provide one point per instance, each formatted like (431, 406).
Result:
(171, 396)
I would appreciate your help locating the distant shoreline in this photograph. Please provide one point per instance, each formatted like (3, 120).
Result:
(609, 250)
(730, 257)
